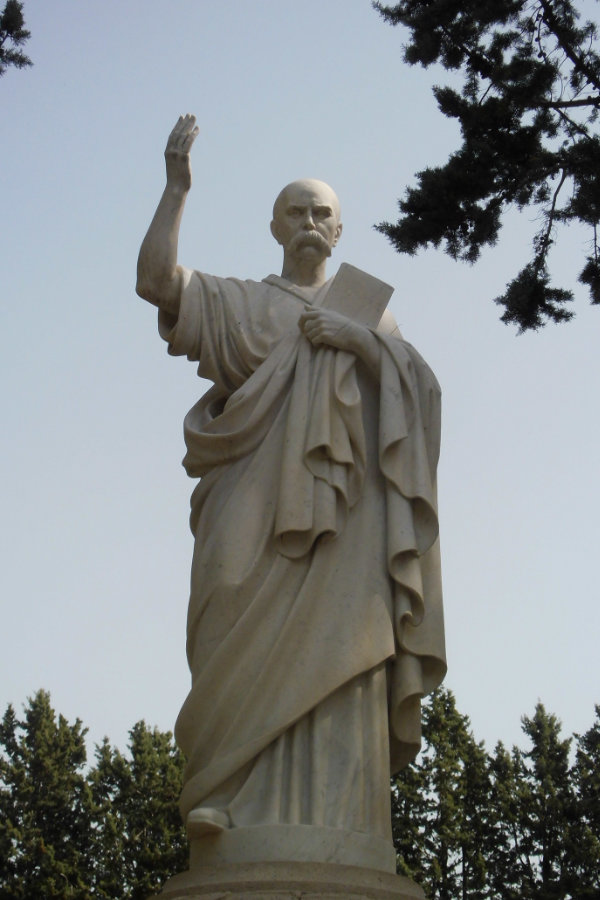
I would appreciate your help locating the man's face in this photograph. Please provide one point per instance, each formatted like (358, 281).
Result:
(306, 220)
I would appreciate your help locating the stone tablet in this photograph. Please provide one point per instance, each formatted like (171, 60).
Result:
(358, 295)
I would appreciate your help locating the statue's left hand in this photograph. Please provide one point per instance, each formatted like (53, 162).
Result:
(324, 326)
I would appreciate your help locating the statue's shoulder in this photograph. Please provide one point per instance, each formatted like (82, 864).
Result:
(229, 281)
(388, 325)
(226, 287)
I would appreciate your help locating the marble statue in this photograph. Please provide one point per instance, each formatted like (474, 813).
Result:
(315, 619)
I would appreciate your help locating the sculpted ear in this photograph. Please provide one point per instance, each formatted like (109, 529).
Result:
(338, 234)
(275, 231)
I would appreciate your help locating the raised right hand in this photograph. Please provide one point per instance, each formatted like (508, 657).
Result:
(177, 152)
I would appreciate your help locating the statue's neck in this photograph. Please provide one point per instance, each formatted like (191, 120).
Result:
(306, 274)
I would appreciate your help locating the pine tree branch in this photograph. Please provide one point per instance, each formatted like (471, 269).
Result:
(564, 43)
(574, 125)
(567, 104)
(546, 240)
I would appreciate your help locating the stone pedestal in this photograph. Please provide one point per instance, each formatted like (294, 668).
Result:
(289, 881)
(294, 843)
(290, 862)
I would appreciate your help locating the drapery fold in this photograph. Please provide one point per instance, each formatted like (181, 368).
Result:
(316, 555)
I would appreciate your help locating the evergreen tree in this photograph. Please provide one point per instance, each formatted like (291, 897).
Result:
(476, 835)
(440, 807)
(12, 36)
(546, 810)
(586, 827)
(503, 859)
(527, 109)
(466, 826)
(44, 805)
(139, 836)
(409, 807)
(444, 730)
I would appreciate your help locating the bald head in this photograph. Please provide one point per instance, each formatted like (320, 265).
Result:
(302, 187)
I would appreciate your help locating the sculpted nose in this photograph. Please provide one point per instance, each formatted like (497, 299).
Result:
(308, 223)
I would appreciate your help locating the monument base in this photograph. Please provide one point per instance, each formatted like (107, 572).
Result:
(288, 881)
(294, 843)
(286, 862)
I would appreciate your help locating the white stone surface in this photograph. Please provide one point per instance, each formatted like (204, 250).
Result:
(315, 621)
(297, 843)
(289, 881)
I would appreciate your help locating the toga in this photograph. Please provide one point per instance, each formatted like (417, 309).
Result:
(315, 617)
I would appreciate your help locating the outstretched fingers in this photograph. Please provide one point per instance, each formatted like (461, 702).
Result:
(183, 134)
(177, 152)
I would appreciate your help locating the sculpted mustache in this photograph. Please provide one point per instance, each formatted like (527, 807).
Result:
(310, 237)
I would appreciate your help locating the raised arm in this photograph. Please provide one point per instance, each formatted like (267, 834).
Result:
(158, 276)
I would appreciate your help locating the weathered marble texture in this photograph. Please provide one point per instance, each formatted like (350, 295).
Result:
(291, 881)
(315, 621)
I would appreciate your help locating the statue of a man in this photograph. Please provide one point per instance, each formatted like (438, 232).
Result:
(315, 620)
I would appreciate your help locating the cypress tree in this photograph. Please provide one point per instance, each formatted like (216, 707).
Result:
(45, 809)
(140, 838)
(476, 835)
(503, 857)
(546, 807)
(409, 823)
(440, 807)
(585, 846)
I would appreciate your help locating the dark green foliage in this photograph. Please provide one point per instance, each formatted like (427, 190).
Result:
(140, 839)
(529, 298)
(503, 872)
(477, 820)
(523, 825)
(110, 832)
(527, 110)
(45, 808)
(410, 805)
(12, 35)
(590, 275)
(441, 807)
(518, 825)
(546, 810)
(586, 827)
(446, 733)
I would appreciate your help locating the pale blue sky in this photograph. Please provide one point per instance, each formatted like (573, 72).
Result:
(96, 544)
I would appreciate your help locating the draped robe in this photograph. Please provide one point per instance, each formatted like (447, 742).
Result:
(315, 618)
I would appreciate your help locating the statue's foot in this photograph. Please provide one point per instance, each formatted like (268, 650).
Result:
(205, 820)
